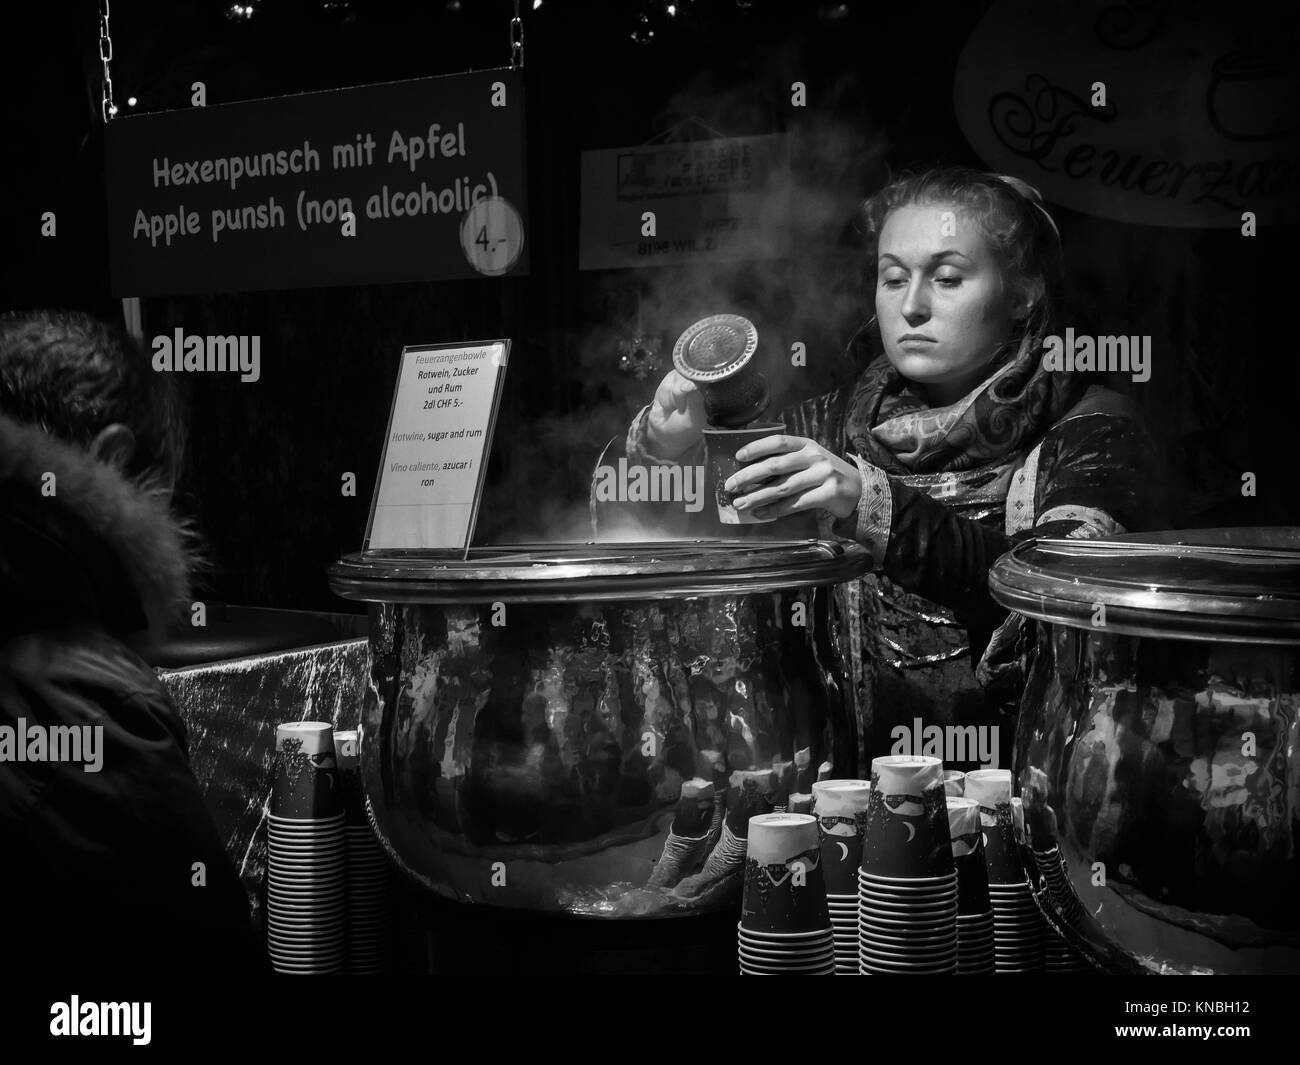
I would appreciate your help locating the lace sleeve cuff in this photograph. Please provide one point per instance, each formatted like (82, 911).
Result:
(870, 524)
(639, 455)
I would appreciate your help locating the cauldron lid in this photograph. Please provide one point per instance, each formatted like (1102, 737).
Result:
(1240, 585)
(568, 572)
(715, 348)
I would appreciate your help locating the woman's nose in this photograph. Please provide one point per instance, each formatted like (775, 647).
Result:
(915, 308)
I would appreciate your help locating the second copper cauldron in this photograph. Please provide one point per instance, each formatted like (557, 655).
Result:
(1158, 748)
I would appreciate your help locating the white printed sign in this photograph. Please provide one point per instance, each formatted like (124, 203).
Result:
(712, 200)
(435, 453)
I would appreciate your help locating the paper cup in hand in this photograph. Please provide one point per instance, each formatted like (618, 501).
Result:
(784, 888)
(306, 783)
(721, 446)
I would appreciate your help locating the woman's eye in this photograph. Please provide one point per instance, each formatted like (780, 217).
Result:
(891, 282)
(950, 281)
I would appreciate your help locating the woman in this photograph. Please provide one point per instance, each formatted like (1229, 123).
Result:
(943, 453)
(112, 863)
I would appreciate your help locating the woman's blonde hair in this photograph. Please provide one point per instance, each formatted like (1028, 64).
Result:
(1023, 237)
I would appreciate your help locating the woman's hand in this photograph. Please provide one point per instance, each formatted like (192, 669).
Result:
(677, 418)
(808, 478)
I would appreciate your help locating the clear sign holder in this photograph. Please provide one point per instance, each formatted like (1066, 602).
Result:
(498, 361)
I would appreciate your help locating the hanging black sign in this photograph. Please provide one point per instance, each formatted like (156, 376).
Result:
(406, 181)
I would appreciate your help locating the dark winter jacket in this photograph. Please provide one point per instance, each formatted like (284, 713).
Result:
(118, 870)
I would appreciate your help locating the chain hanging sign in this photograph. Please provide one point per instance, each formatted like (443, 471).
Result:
(407, 181)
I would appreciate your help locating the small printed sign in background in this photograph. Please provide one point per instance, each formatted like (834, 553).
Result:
(720, 199)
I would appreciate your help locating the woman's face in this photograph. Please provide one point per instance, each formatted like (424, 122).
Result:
(941, 304)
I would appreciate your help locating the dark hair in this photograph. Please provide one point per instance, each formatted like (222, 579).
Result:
(74, 375)
(1025, 241)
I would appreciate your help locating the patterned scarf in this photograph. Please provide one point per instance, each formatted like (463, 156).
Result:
(890, 425)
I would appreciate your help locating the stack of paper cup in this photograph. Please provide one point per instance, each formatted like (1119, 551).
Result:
(369, 873)
(785, 929)
(1060, 958)
(840, 807)
(305, 853)
(907, 884)
(975, 946)
(1053, 884)
(1017, 923)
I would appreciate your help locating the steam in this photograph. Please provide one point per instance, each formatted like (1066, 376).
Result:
(814, 296)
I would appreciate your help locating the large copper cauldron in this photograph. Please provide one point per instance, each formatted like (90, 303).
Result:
(534, 712)
(1158, 750)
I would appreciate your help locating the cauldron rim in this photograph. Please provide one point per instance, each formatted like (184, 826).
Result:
(591, 571)
(1233, 585)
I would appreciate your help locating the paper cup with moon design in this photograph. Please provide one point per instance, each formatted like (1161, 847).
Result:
(906, 833)
(306, 783)
(991, 788)
(784, 888)
(841, 812)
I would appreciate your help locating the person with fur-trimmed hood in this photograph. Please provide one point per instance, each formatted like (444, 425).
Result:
(102, 823)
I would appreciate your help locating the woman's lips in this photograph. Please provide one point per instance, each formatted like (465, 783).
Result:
(916, 338)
